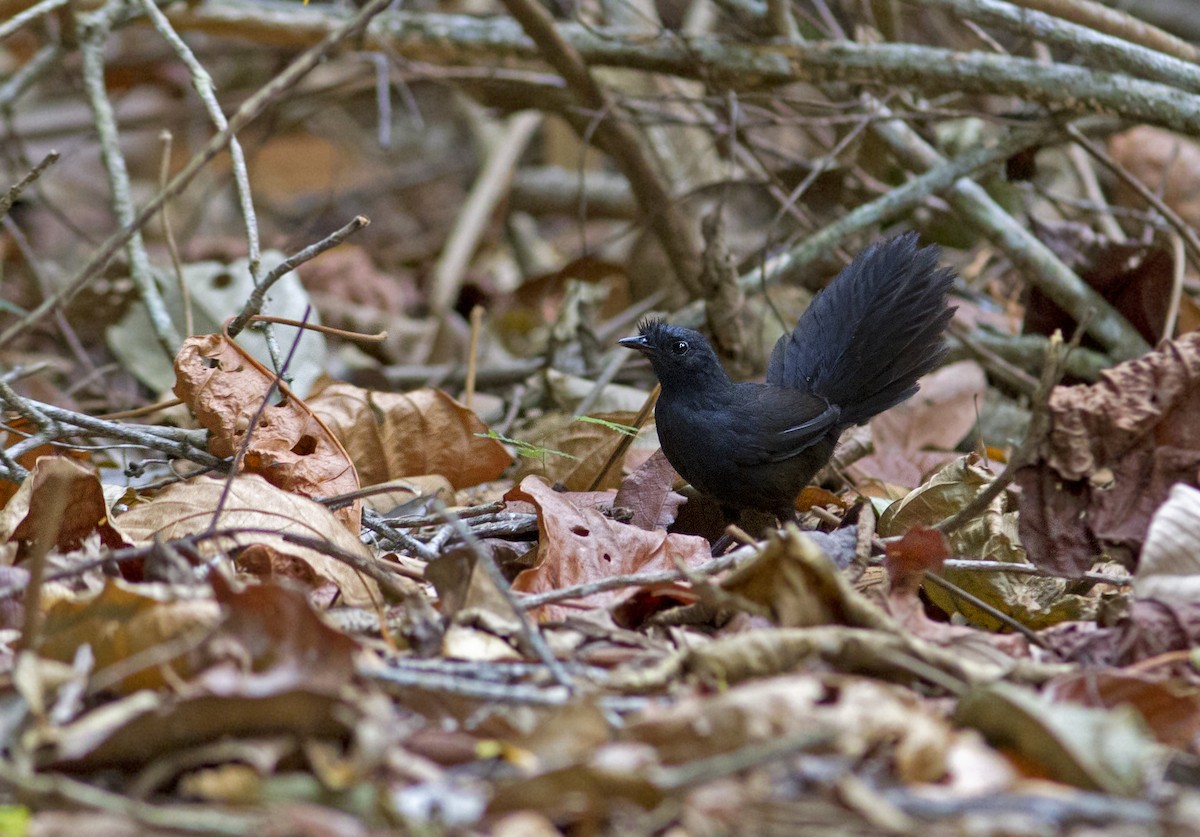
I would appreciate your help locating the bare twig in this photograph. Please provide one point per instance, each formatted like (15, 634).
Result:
(501, 154)
(14, 192)
(617, 582)
(250, 110)
(1026, 452)
(254, 304)
(1182, 227)
(670, 225)
(17, 21)
(528, 631)
(93, 31)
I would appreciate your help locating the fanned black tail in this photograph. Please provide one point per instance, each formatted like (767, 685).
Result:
(865, 340)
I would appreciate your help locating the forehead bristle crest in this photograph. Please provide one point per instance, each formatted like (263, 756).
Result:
(649, 324)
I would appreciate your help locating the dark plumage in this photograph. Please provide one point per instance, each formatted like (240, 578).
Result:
(857, 350)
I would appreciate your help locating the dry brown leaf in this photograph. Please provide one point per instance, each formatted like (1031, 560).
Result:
(1114, 451)
(393, 435)
(283, 644)
(1170, 709)
(915, 438)
(1134, 277)
(1167, 163)
(647, 493)
(124, 620)
(188, 508)
(85, 511)
(15, 428)
(798, 584)
(857, 715)
(578, 545)
(587, 446)
(918, 551)
(290, 446)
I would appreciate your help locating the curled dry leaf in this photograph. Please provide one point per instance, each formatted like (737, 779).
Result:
(1032, 600)
(918, 551)
(922, 550)
(1170, 709)
(392, 435)
(125, 620)
(799, 585)
(79, 491)
(1107, 751)
(188, 508)
(270, 667)
(579, 545)
(851, 716)
(1170, 564)
(282, 643)
(1114, 451)
(290, 446)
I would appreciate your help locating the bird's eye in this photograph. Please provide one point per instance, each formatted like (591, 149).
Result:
(679, 347)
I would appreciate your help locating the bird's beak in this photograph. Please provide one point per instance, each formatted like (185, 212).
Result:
(638, 344)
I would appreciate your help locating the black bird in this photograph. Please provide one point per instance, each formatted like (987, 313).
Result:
(858, 349)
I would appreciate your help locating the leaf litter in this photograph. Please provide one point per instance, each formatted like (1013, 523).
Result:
(396, 601)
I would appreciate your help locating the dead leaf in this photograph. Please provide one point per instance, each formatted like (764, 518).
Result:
(587, 447)
(124, 621)
(1170, 564)
(290, 446)
(577, 545)
(798, 583)
(1135, 278)
(85, 512)
(1167, 163)
(188, 508)
(647, 493)
(1170, 709)
(920, 550)
(920, 435)
(394, 435)
(1107, 751)
(992, 535)
(1114, 451)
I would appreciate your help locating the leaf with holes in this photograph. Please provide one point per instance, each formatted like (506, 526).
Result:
(577, 545)
(288, 444)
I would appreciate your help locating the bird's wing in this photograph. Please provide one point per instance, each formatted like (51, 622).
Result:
(778, 423)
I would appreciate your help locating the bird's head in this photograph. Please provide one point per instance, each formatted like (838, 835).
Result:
(680, 357)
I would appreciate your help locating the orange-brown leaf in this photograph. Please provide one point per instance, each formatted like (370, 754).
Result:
(290, 446)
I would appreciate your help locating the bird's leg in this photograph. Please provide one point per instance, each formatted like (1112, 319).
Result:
(721, 544)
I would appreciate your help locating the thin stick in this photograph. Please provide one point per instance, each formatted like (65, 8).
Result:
(995, 613)
(501, 159)
(250, 110)
(47, 526)
(185, 295)
(627, 440)
(1179, 264)
(1038, 429)
(1189, 236)
(32, 13)
(258, 296)
(10, 197)
(529, 632)
(473, 356)
(358, 336)
(617, 582)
